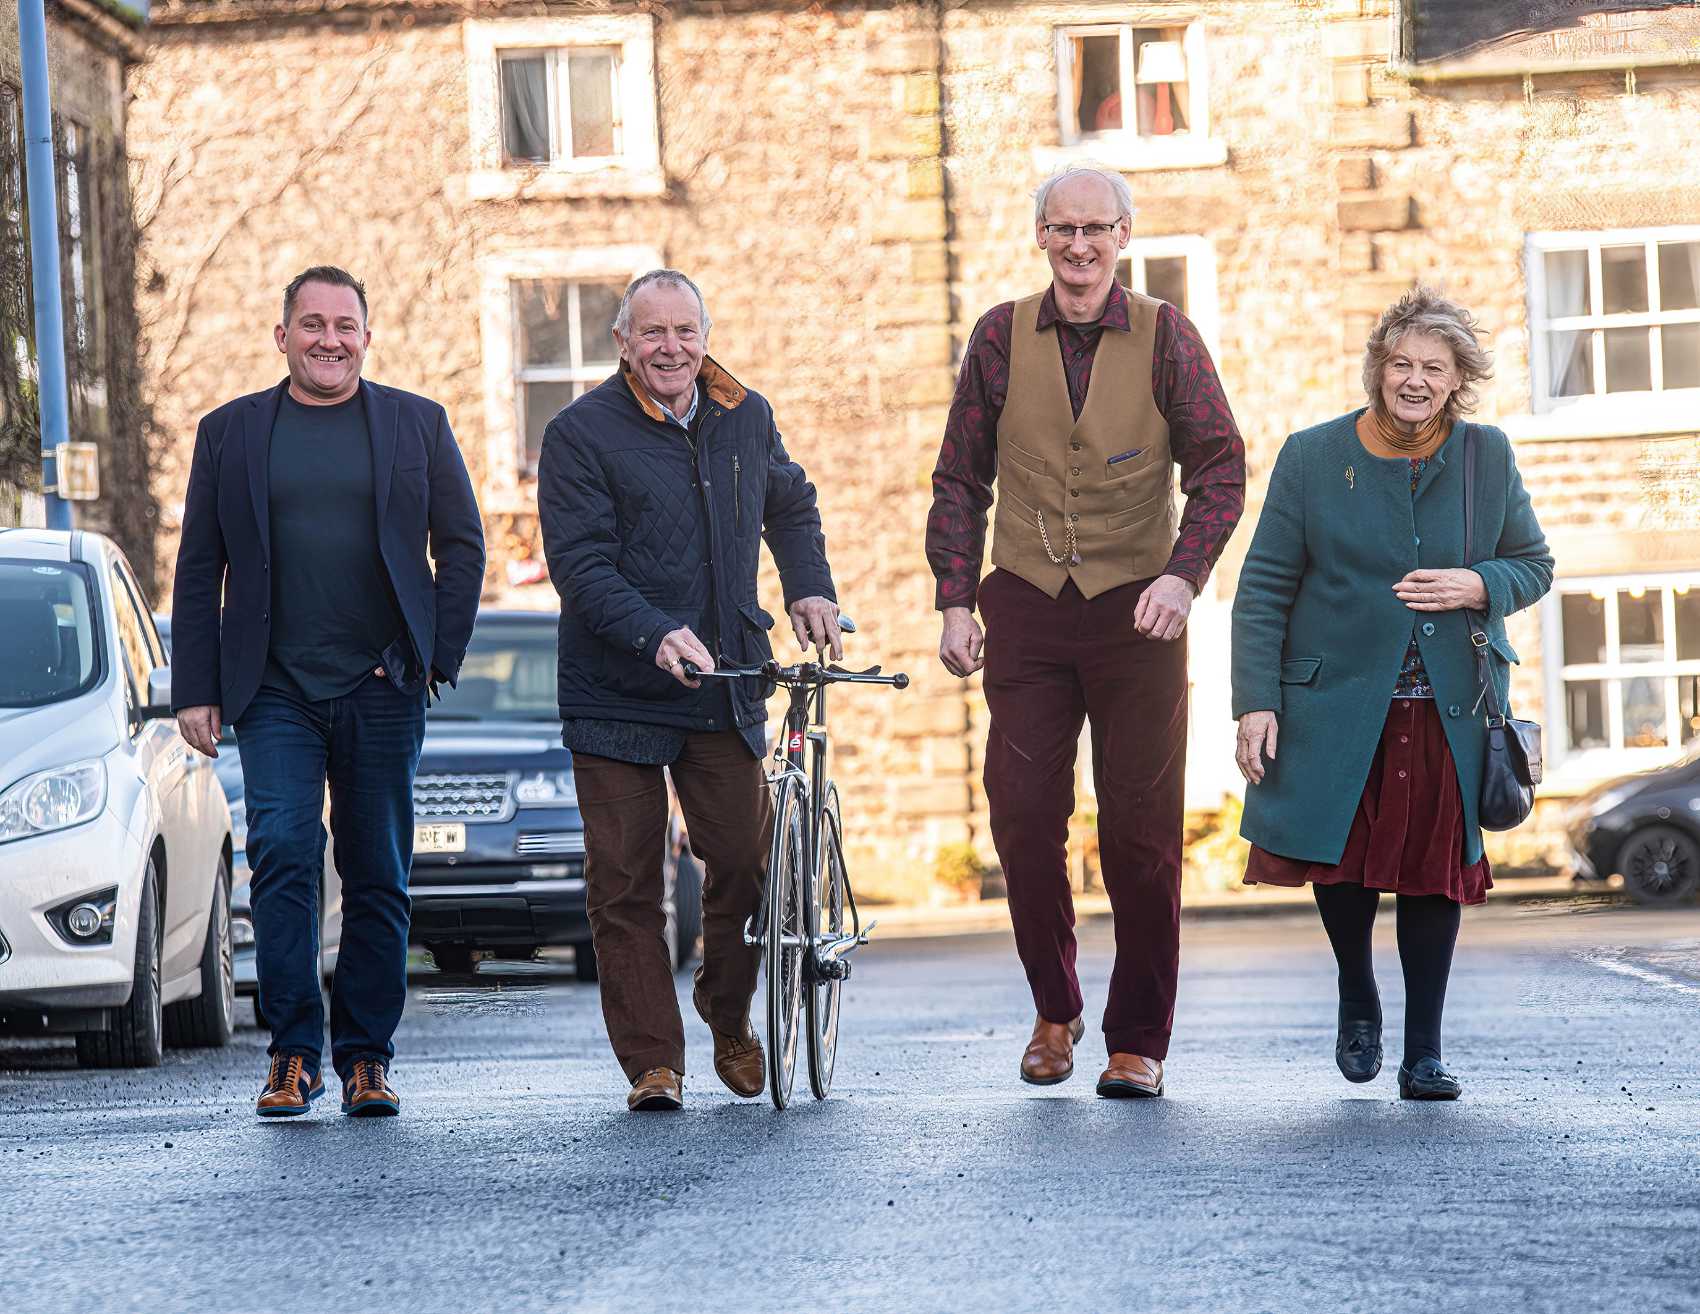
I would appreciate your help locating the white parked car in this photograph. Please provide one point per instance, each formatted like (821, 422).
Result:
(114, 835)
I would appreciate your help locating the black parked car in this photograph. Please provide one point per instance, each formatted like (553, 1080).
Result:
(498, 852)
(1646, 827)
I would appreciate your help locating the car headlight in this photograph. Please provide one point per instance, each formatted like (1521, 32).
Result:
(53, 800)
(546, 789)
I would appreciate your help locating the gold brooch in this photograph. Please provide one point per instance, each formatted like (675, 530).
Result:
(1351, 477)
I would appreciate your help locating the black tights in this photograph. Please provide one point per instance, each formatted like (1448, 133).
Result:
(1428, 930)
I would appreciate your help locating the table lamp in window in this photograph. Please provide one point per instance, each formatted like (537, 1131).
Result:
(1162, 65)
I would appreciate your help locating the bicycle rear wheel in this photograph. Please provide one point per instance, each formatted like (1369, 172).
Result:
(823, 995)
(783, 951)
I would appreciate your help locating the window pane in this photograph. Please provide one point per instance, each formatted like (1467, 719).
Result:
(1641, 626)
(1097, 83)
(1571, 364)
(1165, 279)
(1688, 702)
(1687, 624)
(540, 308)
(597, 305)
(1567, 283)
(539, 403)
(1681, 351)
(1585, 711)
(1584, 618)
(1629, 362)
(1679, 275)
(1624, 270)
(525, 107)
(590, 74)
(1644, 713)
(1124, 273)
(1159, 68)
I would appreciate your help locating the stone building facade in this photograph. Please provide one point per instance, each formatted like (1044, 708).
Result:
(90, 46)
(851, 184)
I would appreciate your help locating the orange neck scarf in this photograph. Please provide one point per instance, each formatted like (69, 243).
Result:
(1382, 436)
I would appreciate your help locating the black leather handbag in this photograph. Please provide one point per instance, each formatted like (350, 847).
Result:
(1511, 767)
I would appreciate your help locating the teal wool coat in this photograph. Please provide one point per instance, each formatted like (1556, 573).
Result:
(1319, 636)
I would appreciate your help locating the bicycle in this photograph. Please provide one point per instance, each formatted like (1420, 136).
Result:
(799, 924)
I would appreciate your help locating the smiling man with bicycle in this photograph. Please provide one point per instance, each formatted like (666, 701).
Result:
(654, 491)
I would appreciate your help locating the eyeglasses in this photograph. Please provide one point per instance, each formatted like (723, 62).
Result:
(1067, 231)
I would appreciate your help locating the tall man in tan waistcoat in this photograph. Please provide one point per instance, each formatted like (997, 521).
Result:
(1078, 403)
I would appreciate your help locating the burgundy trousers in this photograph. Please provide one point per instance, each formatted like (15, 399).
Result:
(1050, 665)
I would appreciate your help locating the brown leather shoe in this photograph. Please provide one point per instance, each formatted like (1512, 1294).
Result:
(656, 1090)
(289, 1091)
(738, 1060)
(1131, 1077)
(367, 1093)
(1050, 1054)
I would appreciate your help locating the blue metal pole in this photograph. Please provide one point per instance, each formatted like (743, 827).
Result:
(44, 249)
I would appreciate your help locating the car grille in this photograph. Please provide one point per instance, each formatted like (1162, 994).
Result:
(553, 843)
(470, 797)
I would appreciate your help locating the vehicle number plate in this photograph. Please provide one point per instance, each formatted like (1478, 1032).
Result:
(448, 837)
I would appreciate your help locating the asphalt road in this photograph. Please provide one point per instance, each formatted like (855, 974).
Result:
(1569, 1176)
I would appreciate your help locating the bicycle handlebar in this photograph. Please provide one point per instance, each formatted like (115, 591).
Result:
(804, 674)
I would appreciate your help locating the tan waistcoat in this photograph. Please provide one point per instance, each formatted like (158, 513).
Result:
(1108, 476)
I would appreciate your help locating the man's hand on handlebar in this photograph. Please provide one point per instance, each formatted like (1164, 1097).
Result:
(815, 623)
(676, 649)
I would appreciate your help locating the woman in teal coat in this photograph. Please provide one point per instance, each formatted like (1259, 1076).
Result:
(1360, 725)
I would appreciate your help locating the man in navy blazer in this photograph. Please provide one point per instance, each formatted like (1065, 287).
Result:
(308, 614)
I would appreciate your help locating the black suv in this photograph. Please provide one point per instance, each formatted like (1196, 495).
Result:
(498, 853)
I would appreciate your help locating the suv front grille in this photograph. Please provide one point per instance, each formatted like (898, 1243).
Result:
(553, 843)
(462, 797)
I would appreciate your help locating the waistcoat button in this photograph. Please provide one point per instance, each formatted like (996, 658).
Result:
(1074, 492)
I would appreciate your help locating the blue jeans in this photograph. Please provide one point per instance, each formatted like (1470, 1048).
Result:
(366, 745)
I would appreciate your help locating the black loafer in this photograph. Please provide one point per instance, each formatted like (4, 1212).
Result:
(1357, 1049)
(1428, 1079)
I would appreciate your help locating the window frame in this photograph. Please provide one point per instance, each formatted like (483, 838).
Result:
(507, 482)
(635, 168)
(1649, 409)
(1124, 148)
(1200, 255)
(558, 83)
(575, 371)
(1613, 758)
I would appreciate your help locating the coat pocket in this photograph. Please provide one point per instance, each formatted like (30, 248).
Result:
(1024, 458)
(1300, 670)
(1504, 651)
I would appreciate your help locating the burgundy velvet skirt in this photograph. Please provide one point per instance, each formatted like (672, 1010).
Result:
(1407, 836)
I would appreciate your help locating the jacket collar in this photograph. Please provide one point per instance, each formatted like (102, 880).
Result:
(1115, 314)
(716, 382)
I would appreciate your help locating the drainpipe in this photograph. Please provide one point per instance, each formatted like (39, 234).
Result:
(44, 251)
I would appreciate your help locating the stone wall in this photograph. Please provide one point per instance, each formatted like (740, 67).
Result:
(852, 186)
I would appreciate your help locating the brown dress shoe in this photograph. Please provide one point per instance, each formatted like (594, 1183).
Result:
(1050, 1054)
(1131, 1077)
(367, 1093)
(657, 1089)
(738, 1060)
(289, 1091)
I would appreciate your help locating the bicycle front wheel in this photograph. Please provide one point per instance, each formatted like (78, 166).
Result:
(787, 863)
(823, 994)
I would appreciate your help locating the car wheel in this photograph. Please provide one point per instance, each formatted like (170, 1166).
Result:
(455, 959)
(584, 961)
(207, 1020)
(137, 1036)
(1660, 865)
(687, 902)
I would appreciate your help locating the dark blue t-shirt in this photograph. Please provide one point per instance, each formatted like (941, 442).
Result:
(333, 609)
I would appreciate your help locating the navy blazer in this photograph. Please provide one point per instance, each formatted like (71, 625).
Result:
(426, 511)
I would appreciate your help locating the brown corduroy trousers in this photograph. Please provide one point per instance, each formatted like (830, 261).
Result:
(729, 817)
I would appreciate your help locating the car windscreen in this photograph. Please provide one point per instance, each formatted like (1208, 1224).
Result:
(508, 675)
(49, 649)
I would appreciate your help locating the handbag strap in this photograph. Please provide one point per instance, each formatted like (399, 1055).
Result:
(1478, 636)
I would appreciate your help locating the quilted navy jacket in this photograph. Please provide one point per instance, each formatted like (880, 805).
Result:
(643, 536)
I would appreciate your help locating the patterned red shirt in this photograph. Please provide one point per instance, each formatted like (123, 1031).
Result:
(1203, 439)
